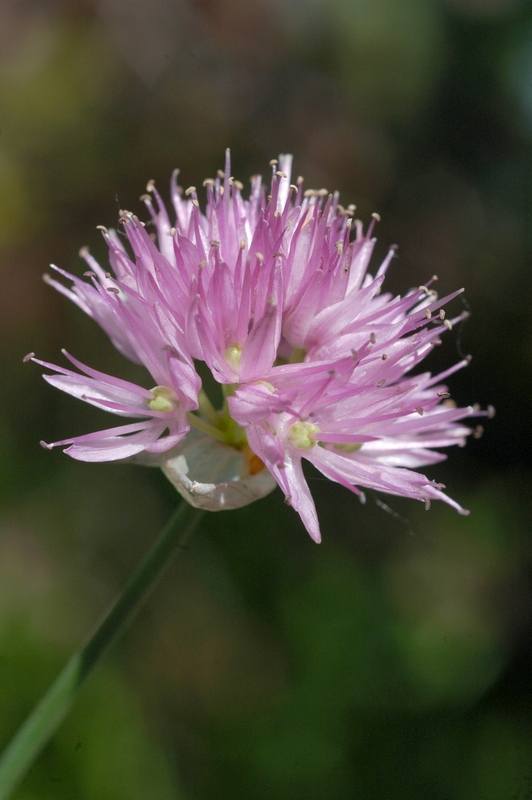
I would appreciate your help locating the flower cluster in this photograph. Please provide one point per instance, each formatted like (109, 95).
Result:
(273, 294)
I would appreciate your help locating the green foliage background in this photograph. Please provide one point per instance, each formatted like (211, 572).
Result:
(395, 659)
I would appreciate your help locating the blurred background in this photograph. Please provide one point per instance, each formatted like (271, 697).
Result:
(394, 660)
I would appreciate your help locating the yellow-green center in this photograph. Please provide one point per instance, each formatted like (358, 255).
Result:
(164, 399)
(301, 435)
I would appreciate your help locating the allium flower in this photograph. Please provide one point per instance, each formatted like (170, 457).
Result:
(273, 294)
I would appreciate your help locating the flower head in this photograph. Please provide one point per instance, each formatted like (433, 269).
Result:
(273, 294)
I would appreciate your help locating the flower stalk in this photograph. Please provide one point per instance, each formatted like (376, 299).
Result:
(47, 716)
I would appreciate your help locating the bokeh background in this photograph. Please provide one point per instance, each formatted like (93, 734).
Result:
(394, 660)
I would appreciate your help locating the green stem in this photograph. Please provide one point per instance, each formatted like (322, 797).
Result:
(46, 717)
(205, 427)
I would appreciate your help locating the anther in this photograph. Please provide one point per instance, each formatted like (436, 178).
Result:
(238, 185)
(376, 217)
(202, 263)
(491, 412)
(89, 274)
(381, 383)
(281, 174)
(209, 182)
(419, 410)
(259, 256)
(293, 186)
(477, 433)
(46, 445)
(428, 313)
(195, 203)
(113, 290)
(435, 342)
(230, 181)
(443, 395)
(300, 179)
(172, 231)
(28, 358)
(427, 503)
(424, 289)
(442, 313)
(83, 252)
(146, 198)
(47, 277)
(150, 185)
(108, 275)
(372, 338)
(214, 243)
(384, 357)
(190, 190)
(101, 228)
(220, 173)
(273, 162)
(448, 324)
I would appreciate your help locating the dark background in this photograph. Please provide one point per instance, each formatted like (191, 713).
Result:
(393, 660)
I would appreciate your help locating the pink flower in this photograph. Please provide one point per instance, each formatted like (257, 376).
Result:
(273, 294)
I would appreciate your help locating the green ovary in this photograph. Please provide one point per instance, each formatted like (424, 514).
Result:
(301, 435)
(348, 448)
(164, 399)
(233, 354)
